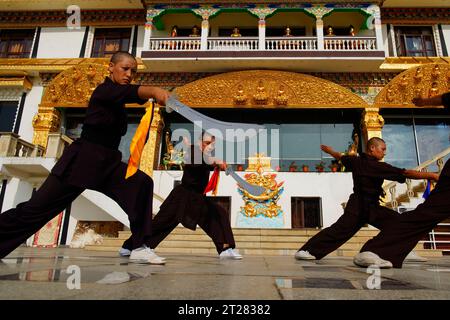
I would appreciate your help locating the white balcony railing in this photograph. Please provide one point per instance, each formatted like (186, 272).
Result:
(233, 44)
(175, 44)
(350, 44)
(291, 44)
(271, 44)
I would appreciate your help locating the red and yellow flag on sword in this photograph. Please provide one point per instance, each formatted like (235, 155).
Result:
(138, 142)
(213, 182)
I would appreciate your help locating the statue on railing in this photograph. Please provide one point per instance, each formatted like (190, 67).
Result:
(236, 32)
(330, 32)
(195, 32)
(173, 157)
(287, 32)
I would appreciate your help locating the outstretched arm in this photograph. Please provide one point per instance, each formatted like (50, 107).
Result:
(159, 94)
(413, 174)
(331, 152)
(434, 101)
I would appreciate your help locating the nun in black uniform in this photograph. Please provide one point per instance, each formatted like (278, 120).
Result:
(94, 162)
(187, 204)
(395, 241)
(363, 206)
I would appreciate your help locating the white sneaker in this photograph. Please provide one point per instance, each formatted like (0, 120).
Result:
(124, 252)
(146, 255)
(230, 254)
(367, 259)
(304, 255)
(414, 257)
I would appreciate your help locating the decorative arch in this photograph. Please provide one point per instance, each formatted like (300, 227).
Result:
(267, 89)
(424, 81)
(71, 88)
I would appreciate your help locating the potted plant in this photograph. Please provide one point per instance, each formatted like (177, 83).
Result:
(334, 166)
(305, 168)
(292, 167)
(320, 166)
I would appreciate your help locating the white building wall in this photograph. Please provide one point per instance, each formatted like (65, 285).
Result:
(446, 31)
(60, 43)
(140, 40)
(17, 191)
(332, 188)
(30, 109)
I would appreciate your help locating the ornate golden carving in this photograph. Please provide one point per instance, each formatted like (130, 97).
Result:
(150, 153)
(281, 99)
(371, 123)
(426, 80)
(298, 90)
(240, 97)
(266, 203)
(260, 97)
(16, 82)
(73, 87)
(405, 63)
(45, 121)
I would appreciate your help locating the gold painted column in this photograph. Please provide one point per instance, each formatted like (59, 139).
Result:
(371, 123)
(46, 121)
(151, 150)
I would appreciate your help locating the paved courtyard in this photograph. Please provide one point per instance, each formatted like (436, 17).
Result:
(76, 274)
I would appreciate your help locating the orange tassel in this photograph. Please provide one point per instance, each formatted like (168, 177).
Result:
(138, 142)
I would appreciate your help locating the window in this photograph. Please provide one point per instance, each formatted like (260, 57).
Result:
(306, 213)
(16, 43)
(293, 136)
(415, 138)
(415, 42)
(109, 41)
(8, 111)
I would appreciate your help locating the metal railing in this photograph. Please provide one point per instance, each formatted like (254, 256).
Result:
(434, 243)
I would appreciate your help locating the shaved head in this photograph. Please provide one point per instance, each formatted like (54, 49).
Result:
(119, 55)
(375, 141)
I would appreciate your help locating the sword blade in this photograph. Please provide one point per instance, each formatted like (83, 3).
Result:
(208, 123)
(250, 188)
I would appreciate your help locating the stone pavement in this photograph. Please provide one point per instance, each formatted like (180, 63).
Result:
(76, 274)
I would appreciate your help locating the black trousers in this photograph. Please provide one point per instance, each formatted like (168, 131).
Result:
(134, 195)
(358, 212)
(216, 225)
(395, 241)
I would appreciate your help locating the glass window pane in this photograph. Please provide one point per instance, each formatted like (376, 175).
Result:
(8, 110)
(432, 138)
(400, 142)
(413, 43)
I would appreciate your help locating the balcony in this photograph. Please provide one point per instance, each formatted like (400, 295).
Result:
(285, 53)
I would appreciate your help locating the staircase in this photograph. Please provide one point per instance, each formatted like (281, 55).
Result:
(251, 242)
(405, 197)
